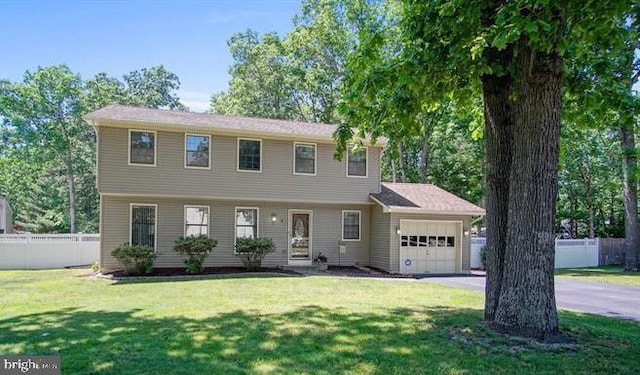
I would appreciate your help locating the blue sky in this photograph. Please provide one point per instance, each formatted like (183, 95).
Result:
(189, 37)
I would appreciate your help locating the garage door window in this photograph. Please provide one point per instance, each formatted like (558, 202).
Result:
(430, 241)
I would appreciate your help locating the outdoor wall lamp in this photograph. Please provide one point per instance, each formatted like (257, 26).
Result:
(466, 232)
(398, 232)
(274, 218)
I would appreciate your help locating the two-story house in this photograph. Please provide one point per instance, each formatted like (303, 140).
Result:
(163, 174)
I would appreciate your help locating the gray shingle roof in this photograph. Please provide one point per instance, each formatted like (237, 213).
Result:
(423, 198)
(229, 124)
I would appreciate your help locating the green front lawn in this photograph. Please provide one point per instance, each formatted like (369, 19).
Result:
(604, 274)
(286, 325)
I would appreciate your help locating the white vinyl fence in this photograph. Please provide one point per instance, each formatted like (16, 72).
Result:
(569, 253)
(41, 251)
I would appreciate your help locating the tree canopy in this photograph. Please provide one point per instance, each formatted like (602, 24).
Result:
(512, 54)
(297, 77)
(48, 161)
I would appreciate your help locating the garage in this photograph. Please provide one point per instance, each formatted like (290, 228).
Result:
(430, 246)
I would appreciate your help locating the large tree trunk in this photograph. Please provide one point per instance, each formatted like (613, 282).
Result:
(498, 123)
(527, 305)
(630, 197)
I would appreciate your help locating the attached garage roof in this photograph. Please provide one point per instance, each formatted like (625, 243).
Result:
(423, 199)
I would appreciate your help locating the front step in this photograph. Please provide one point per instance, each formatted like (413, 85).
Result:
(305, 270)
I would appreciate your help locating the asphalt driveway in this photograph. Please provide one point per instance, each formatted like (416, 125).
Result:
(591, 297)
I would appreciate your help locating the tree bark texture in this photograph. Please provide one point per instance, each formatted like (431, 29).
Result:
(401, 164)
(424, 155)
(630, 197)
(586, 178)
(526, 304)
(498, 122)
(72, 203)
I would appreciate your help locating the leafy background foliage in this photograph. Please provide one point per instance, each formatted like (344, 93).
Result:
(349, 62)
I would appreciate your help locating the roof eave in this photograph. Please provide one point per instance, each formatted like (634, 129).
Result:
(401, 210)
(97, 122)
(385, 208)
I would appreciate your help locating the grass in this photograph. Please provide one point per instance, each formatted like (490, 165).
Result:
(604, 274)
(286, 325)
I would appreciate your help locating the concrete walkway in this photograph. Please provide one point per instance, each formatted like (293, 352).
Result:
(591, 297)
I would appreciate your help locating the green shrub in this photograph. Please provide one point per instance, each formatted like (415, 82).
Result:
(136, 259)
(484, 253)
(196, 248)
(253, 250)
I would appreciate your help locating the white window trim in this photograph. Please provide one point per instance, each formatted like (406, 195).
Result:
(238, 155)
(155, 148)
(366, 155)
(184, 225)
(186, 136)
(155, 222)
(315, 158)
(359, 226)
(235, 224)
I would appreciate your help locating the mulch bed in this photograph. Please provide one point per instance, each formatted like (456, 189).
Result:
(349, 271)
(365, 272)
(180, 271)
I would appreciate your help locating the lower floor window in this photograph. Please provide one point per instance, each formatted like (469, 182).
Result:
(351, 225)
(246, 222)
(196, 220)
(143, 224)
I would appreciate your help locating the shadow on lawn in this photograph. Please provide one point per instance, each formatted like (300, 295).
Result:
(310, 339)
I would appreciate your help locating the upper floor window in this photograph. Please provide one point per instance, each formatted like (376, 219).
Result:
(143, 224)
(304, 158)
(142, 146)
(350, 225)
(197, 151)
(246, 222)
(249, 155)
(196, 220)
(357, 162)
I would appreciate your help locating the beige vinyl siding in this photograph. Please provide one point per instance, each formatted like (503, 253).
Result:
(170, 225)
(223, 181)
(381, 235)
(395, 244)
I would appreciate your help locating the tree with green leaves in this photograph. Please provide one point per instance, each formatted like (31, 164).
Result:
(602, 78)
(259, 76)
(297, 77)
(512, 54)
(153, 87)
(589, 182)
(45, 112)
(48, 161)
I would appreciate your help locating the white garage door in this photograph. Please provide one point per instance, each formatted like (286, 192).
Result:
(429, 246)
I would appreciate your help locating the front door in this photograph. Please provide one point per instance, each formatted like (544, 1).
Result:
(300, 237)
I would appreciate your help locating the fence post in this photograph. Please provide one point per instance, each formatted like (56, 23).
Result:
(29, 251)
(597, 251)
